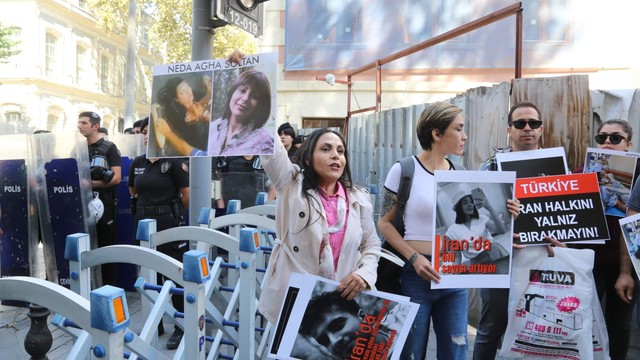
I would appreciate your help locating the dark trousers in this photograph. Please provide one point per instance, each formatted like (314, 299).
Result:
(493, 323)
(106, 232)
(617, 313)
(175, 249)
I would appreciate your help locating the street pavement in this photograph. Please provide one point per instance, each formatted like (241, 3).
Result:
(14, 325)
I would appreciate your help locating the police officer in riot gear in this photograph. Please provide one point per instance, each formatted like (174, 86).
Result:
(159, 189)
(106, 173)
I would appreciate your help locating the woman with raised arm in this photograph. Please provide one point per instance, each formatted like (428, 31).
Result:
(324, 223)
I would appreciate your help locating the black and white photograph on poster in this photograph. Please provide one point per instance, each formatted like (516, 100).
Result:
(631, 232)
(532, 163)
(617, 173)
(316, 322)
(244, 108)
(473, 229)
(180, 111)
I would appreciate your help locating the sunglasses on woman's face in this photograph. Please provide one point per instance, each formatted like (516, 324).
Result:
(522, 123)
(614, 139)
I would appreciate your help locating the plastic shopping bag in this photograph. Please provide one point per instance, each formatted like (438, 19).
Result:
(600, 335)
(550, 307)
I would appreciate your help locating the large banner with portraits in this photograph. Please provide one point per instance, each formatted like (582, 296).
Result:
(214, 107)
(473, 230)
(316, 322)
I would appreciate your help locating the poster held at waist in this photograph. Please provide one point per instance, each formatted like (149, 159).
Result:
(316, 322)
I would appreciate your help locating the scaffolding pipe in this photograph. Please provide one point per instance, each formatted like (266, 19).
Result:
(515, 9)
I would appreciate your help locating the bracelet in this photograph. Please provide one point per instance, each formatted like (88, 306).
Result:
(413, 258)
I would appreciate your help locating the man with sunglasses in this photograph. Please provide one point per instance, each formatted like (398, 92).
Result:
(524, 130)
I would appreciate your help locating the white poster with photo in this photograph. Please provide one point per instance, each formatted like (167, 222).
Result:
(473, 232)
(316, 322)
(617, 172)
(532, 163)
(214, 107)
(631, 232)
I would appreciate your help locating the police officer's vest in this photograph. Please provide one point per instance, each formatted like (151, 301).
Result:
(107, 195)
(103, 149)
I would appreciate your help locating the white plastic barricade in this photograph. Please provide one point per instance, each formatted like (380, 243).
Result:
(102, 319)
(235, 324)
(196, 273)
(81, 261)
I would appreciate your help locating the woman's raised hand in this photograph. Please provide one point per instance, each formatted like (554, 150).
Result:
(235, 56)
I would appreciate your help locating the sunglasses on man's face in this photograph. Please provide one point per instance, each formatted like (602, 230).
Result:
(522, 123)
(614, 139)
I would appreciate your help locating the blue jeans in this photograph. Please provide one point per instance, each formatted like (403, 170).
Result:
(447, 307)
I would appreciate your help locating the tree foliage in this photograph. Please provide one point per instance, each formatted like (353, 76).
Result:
(170, 30)
(8, 42)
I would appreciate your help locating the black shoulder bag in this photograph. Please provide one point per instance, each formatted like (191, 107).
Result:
(388, 271)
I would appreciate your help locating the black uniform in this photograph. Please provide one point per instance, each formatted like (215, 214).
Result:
(158, 186)
(240, 180)
(106, 227)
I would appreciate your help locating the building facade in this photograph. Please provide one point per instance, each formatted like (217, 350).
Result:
(67, 65)
(314, 38)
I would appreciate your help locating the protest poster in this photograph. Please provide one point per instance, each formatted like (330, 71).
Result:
(565, 207)
(531, 163)
(214, 107)
(473, 229)
(316, 322)
(631, 232)
(617, 171)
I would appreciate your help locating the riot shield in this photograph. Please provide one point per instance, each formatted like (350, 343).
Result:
(17, 250)
(130, 146)
(62, 172)
(41, 151)
(243, 186)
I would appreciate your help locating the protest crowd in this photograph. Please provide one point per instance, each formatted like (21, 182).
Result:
(607, 284)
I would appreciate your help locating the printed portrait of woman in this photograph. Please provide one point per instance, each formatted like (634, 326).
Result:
(244, 124)
(181, 109)
(474, 216)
